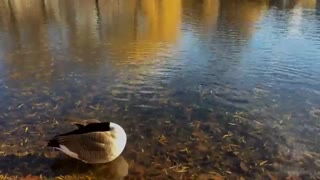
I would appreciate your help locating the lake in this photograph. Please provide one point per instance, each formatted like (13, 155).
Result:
(220, 89)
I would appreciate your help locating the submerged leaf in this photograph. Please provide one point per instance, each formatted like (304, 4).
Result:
(180, 168)
(244, 167)
(162, 140)
(263, 162)
(20, 106)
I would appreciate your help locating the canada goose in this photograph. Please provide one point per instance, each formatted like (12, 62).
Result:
(93, 142)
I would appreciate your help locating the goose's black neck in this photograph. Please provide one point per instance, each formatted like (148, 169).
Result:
(92, 127)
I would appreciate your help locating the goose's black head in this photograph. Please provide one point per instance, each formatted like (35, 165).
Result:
(103, 126)
(92, 127)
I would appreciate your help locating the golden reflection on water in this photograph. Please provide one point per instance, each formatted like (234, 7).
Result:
(202, 13)
(243, 14)
(131, 32)
(311, 4)
(136, 30)
(146, 26)
(210, 12)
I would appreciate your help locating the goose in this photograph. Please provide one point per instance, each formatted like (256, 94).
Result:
(93, 142)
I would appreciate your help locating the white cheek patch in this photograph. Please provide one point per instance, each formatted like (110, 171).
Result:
(68, 152)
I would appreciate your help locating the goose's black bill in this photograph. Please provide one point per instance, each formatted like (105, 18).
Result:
(53, 143)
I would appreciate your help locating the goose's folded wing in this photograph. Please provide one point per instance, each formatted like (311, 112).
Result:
(88, 147)
(93, 142)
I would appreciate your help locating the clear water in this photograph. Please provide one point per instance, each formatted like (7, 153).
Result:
(204, 88)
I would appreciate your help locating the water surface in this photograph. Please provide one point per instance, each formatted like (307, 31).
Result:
(204, 88)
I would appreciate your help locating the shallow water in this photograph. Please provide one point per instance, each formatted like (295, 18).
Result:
(204, 88)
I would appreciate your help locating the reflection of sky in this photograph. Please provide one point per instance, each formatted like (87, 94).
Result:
(284, 54)
(281, 53)
(295, 23)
